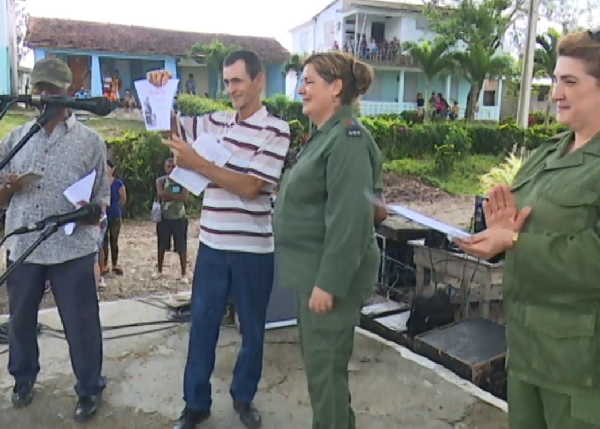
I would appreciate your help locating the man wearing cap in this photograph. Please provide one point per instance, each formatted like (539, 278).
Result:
(63, 152)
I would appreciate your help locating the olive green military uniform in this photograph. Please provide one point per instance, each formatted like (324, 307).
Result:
(324, 236)
(552, 291)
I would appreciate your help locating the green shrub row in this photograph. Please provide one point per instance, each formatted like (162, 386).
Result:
(397, 139)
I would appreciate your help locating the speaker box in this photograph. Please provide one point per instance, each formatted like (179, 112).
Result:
(475, 349)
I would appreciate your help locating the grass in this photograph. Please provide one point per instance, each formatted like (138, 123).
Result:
(12, 121)
(462, 180)
(106, 127)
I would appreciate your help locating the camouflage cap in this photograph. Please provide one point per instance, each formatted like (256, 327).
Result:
(52, 71)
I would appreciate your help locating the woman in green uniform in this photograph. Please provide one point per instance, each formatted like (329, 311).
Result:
(550, 227)
(324, 237)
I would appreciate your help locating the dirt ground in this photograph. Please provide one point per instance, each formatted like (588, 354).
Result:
(137, 243)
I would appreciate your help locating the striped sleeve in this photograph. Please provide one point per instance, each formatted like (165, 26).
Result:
(268, 161)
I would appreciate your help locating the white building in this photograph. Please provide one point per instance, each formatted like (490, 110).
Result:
(344, 24)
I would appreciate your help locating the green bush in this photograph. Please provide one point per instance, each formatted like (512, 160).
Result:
(193, 105)
(139, 158)
(288, 110)
(412, 116)
(397, 139)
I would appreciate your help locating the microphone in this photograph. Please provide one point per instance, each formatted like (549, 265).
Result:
(101, 106)
(88, 213)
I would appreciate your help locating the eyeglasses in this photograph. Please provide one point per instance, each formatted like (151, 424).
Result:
(594, 34)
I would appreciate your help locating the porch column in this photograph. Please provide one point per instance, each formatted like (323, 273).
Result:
(96, 78)
(171, 66)
(448, 88)
(401, 90)
(499, 99)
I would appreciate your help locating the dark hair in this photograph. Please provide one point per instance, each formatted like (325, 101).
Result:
(355, 75)
(583, 46)
(251, 61)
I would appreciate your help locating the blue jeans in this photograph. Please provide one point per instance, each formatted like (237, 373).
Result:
(248, 279)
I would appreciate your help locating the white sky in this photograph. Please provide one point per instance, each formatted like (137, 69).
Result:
(268, 18)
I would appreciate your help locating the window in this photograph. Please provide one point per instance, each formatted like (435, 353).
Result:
(422, 23)
(489, 98)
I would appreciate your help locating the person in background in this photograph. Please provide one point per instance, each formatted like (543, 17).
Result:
(454, 111)
(420, 105)
(324, 230)
(432, 104)
(114, 214)
(441, 106)
(174, 224)
(129, 101)
(82, 93)
(548, 223)
(190, 85)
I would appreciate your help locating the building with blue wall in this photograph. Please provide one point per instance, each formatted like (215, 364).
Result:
(98, 52)
(7, 54)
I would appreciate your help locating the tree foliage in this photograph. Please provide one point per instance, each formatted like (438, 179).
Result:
(214, 55)
(476, 30)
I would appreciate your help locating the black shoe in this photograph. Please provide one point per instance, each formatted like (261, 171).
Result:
(190, 418)
(86, 407)
(22, 394)
(249, 415)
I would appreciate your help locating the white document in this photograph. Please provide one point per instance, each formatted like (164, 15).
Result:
(451, 231)
(157, 103)
(79, 191)
(209, 147)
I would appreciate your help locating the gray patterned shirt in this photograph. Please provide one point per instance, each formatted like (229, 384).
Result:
(71, 152)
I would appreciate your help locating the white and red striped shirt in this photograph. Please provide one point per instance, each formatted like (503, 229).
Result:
(258, 145)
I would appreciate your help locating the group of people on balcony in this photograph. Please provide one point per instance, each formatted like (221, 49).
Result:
(384, 50)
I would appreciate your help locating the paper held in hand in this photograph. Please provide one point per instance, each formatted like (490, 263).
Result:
(156, 103)
(209, 147)
(450, 230)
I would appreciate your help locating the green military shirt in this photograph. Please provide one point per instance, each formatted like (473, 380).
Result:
(323, 220)
(552, 276)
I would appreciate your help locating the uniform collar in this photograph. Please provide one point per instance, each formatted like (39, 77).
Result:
(562, 159)
(345, 112)
(593, 146)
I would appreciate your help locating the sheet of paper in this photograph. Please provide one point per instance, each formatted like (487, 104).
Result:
(209, 147)
(450, 230)
(79, 191)
(157, 103)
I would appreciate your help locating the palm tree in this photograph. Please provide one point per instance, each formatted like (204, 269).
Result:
(545, 60)
(476, 64)
(434, 59)
(214, 55)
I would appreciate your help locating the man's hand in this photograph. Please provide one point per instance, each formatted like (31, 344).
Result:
(158, 77)
(184, 154)
(320, 301)
(501, 210)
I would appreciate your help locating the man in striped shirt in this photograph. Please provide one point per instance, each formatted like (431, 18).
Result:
(235, 257)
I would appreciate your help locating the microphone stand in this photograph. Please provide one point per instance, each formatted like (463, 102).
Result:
(42, 120)
(5, 108)
(51, 229)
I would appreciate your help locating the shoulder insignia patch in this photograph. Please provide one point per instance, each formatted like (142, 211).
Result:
(352, 128)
